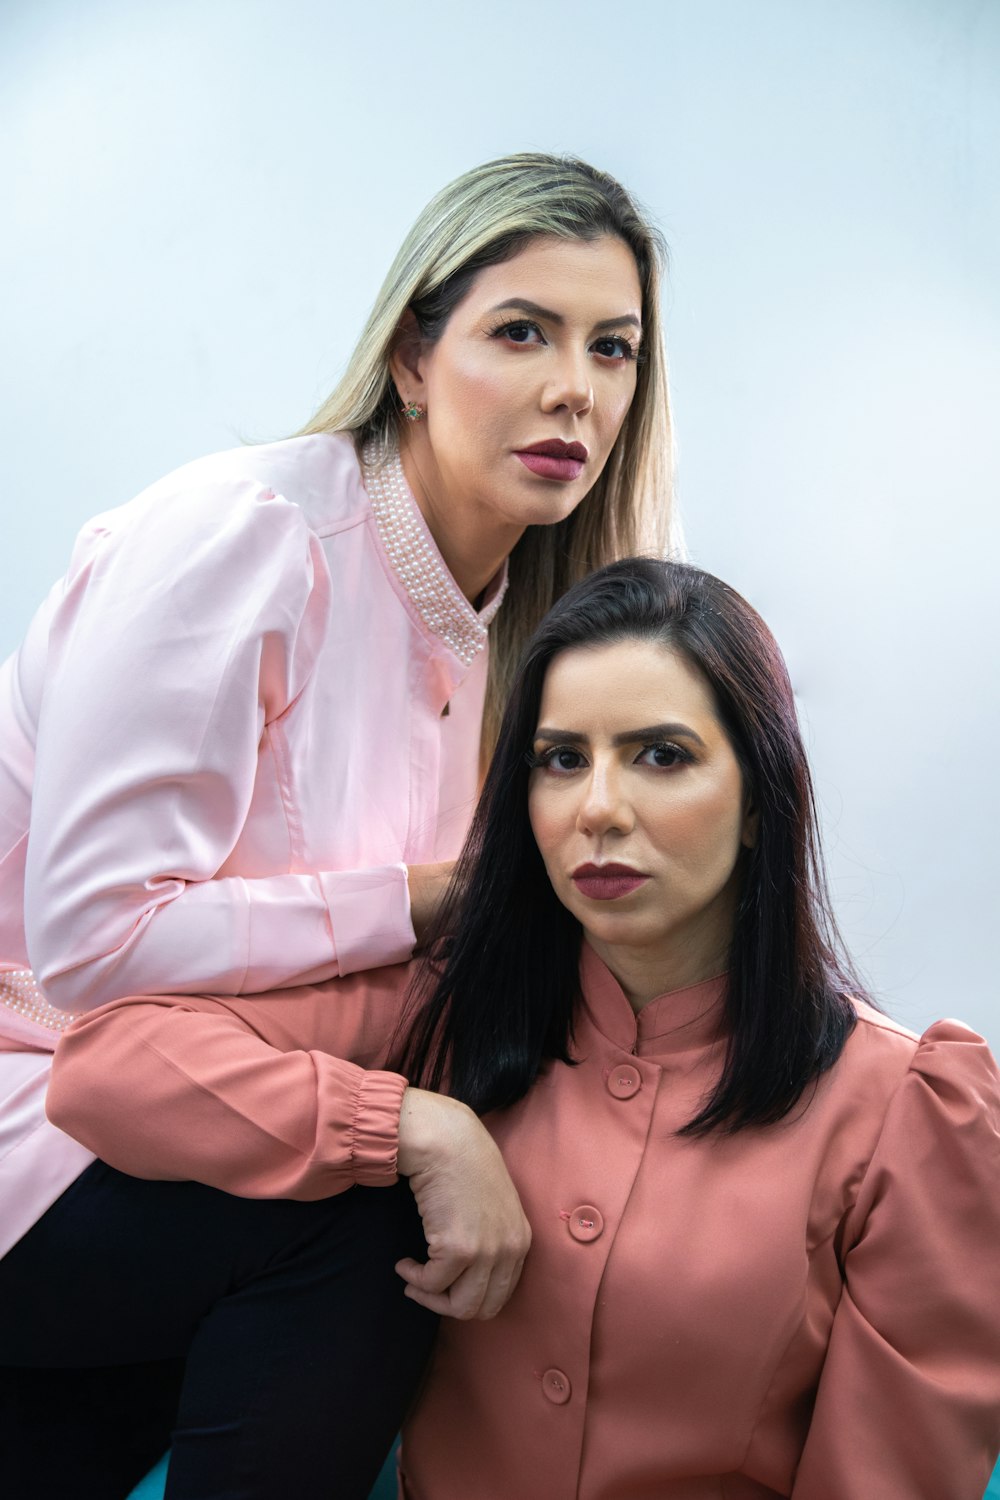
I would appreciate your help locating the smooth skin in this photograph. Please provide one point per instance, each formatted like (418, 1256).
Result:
(633, 767)
(542, 346)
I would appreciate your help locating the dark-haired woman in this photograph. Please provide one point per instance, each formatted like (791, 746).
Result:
(765, 1216)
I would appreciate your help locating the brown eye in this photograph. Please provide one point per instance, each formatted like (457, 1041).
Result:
(615, 347)
(566, 760)
(519, 332)
(666, 755)
(561, 760)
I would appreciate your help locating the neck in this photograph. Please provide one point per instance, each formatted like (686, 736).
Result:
(645, 974)
(474, 544)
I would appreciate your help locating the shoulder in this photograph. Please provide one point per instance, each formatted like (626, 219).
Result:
(319, 474)
(224, 535)
(879, 1050)
(885, 1060)
(306, 484)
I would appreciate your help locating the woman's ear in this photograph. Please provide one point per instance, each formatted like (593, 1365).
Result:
(751, 825)
(405, 361)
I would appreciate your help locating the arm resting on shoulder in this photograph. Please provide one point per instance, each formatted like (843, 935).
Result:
(243, 1095)
(239, 1094)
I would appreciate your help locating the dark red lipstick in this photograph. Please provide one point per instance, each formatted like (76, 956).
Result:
(554, 459)
(607, 882)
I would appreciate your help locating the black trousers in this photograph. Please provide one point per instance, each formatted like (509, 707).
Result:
(269, 1342)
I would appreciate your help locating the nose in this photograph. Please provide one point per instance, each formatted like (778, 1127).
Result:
(569, 386)
(604, 805)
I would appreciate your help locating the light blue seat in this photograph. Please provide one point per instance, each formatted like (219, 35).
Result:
(151, 1488)
(992, 1489)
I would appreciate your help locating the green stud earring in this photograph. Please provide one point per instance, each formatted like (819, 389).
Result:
(414, 412)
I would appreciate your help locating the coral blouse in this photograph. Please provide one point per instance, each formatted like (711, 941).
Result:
(809, 1309)
(254, 698)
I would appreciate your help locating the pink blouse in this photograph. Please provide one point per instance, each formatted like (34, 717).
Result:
(806, 1310)
(254, 698)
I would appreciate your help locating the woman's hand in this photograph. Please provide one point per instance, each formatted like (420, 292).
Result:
(427, 885)
(476, 1232)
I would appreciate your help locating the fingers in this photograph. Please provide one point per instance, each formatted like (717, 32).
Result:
(477, 1291)
(466, 1297)
(432, 1276)
(476, 1231)
(500, 1289)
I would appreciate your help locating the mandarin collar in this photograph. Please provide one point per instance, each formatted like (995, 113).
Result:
(416, 561)
(678, 1021)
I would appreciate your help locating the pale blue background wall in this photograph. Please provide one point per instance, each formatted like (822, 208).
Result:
(200, 200)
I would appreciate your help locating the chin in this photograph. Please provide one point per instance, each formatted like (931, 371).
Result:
(613, 929)
(553, 509)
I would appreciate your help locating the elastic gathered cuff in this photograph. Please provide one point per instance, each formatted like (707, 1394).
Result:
(375, 1129)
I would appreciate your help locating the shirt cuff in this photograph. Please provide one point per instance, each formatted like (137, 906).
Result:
(376, 1129)
(369, 917)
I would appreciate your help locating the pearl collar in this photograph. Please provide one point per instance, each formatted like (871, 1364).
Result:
(413, 555)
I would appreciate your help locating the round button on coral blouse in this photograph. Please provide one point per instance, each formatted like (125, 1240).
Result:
(586, 1223)
(624, 1081)
(557, 1387)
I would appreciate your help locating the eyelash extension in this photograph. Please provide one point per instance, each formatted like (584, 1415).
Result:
(684, 757)
(509, 323)
(537, 760)
(631, 350)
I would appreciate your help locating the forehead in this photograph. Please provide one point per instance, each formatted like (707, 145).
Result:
(553, 272)
(624, 685)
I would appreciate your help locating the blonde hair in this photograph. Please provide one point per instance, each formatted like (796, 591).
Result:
(482, 218)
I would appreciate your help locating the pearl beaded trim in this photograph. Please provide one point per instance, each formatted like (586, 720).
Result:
(19, 992)
(418, 564)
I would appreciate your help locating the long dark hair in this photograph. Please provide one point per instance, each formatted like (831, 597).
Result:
(497, 1001)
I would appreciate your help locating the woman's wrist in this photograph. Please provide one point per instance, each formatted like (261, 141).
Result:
(428, 886)
(430, 1127)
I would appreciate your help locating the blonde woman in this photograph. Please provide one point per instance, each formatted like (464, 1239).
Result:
(240, 748)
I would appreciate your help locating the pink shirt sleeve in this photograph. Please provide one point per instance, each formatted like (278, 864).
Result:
(178, 637)
(908, 1406)
(253, 1096)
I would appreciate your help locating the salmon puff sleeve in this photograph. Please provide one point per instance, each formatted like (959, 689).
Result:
(277, 1096)
(908, 1405)
(186, 623)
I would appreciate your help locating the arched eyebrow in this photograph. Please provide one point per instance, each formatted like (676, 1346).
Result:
(628, 736)
(522, 304)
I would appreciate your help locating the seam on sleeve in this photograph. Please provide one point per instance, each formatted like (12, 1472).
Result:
(249, 939)
(224, 1104)
(852, 1206)
(275, 739)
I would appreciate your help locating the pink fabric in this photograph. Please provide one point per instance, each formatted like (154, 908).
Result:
(224, 734)
(810, 1310)
(37, 1161)
(227, 701)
